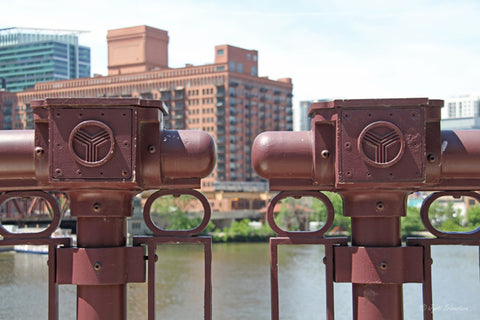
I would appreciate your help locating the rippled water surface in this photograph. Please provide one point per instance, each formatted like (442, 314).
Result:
(241, 285)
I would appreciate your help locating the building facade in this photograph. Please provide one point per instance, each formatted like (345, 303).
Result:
(30, 56)
(461, 112)
(226, 98)
(301, 120)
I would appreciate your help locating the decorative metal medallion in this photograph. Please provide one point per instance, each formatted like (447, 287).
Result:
(381, 144)
(91, 143)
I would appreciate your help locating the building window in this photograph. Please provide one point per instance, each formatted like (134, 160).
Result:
(239, 67)
(231, 66)
(254, 71)
(220, 52)
(249, 56)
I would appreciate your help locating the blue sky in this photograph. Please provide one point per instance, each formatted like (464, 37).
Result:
(331, 49)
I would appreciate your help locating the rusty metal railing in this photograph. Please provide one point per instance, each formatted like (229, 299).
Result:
(373, 153)
(101, 153)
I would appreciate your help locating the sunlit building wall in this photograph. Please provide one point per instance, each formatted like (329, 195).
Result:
(226, 98)
(461, 112)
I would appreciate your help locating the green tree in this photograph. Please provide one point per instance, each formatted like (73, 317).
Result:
(178, 213)
(473, 216)
(340, 222)
(412, 222)
(294, 214)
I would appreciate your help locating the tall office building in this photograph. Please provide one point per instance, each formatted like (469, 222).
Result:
(301, 121)
(30, 56)
(226, 98)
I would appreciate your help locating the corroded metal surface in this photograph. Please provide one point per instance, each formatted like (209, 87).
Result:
(374, 153)
(100, 153)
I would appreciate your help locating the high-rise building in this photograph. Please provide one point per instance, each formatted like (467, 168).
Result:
(30, 56)
(226, 98)
(301, 120)
(461, 112)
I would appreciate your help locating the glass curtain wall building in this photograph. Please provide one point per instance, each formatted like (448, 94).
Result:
(29, 56)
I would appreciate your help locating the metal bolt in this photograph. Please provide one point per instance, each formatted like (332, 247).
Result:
(325, 154)
(97, 207)
(432, 157)
(380, 206)
(152, 148)
(59, 172)
(79, 172)
(124, 172)
(39, 152)
(97, 266)
(383, 266)
(348, 146)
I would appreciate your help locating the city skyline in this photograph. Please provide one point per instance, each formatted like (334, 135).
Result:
(331, 49)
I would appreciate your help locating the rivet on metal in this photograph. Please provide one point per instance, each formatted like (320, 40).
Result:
(97, 266)
(431, 157)
(39, 152)
(152, 148)
(380, 206)
(59, 171)
(325, 154)
(97, 207)
(383, 266)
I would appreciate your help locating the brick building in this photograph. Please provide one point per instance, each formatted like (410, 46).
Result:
(226, 98)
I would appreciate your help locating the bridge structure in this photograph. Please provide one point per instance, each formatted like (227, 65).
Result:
(373, 152)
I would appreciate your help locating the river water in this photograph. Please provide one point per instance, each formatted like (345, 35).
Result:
(241, 287)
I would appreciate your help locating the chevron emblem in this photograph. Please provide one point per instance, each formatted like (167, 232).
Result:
(91, 143)
(381, 144)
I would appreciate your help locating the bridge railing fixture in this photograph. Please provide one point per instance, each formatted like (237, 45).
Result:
(100, 153)
(374, 153)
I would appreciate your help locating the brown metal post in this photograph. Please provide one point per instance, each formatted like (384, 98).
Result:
(375, 222)
(373, 153)
(100, 152)
(101, 223)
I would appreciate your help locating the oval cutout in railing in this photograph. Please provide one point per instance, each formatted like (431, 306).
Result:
(37, 213)
(445, 214)
(300, 214)
(177, 212)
